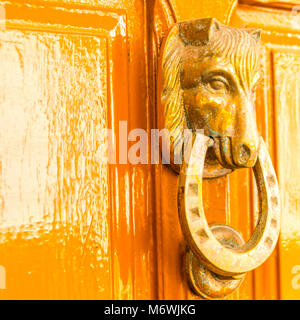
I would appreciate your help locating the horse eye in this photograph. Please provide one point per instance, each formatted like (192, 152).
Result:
(218, 84)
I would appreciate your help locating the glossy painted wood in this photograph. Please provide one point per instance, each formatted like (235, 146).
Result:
(73, 228)
(287, 101)
(217, 200)
(278, 277)
(233, 199)
(272, 3)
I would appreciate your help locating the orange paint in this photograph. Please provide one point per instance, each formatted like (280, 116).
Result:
(73, 228)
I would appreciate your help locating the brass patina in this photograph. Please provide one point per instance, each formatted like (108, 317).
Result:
(210, 75)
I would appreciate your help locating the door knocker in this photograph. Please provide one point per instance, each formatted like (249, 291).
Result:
(209, 76)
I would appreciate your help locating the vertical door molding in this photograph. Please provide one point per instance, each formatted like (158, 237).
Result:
(170, 243)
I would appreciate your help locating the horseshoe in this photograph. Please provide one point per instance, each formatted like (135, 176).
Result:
(222, 265)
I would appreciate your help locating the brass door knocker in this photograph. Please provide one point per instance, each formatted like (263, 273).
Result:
(209, 76)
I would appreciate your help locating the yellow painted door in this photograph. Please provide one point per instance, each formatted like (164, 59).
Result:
(280, 101)
(232, 199)
(71, 226)
(74, 227)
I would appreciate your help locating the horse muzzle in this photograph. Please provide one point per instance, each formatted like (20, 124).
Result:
(233, 153)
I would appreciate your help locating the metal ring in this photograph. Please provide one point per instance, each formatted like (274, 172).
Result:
(219, 259)
(205, 282)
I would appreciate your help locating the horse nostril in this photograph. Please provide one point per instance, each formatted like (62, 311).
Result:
(244, 154)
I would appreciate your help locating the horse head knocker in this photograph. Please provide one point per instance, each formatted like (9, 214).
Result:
(209, 77)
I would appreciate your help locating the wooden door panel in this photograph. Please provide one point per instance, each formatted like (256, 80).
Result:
(48, 168)
(233, 199)
(276, 106)
(73, 227)
(287, 100)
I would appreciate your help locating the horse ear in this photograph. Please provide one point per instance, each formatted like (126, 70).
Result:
(255, 34)
(198, 32)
